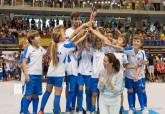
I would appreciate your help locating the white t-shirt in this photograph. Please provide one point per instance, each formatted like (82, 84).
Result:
(69, 31)
(135, 60)
(0, 69)
(34, 56)
(98, 57)
(144, 66)
(85, 62)
(71, 58)
(62, 52)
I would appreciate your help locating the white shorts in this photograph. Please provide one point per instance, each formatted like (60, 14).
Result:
(151, 69)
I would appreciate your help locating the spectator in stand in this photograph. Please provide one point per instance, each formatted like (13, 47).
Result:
(151, 67)
(1, 70)
(33, 24)
(133, 4)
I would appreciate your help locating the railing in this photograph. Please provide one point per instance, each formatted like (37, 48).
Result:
(153, 5)
(154, 42)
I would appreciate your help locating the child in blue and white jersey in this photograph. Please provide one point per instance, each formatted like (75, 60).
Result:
(32, 67)
(72, 67)
(84, 76)
(24, 46)
(133, 80)
(1, 71)
(98, 56)
(145, 62)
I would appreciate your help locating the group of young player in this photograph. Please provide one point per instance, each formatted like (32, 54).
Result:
(87, 59)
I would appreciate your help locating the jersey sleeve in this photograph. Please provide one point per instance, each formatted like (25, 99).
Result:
(26, 53)
(21, 59)
(145, 56)
(68, 47)
(129, 51)
(125, 60)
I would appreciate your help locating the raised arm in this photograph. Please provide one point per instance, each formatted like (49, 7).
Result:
(99, 35)
(83, 26)
(81, 39)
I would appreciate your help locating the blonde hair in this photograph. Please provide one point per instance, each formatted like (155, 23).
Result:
(138, 37)
(31, 35)
(56, 35)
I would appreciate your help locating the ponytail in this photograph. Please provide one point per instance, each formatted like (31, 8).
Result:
(54, 56)
(56, 35)
(116, 64)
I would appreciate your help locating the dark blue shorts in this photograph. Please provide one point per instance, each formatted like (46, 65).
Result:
(72, 83)
(34, 86)
(56, 81)
(94, 84)
(130, 84)
(84, 80)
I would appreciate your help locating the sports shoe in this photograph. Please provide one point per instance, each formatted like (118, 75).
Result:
(130, 112)
(88, 112)
(81, 112)
(145, 111)
(94, 112)
(40, 112)
(121, 109)
(68, 113)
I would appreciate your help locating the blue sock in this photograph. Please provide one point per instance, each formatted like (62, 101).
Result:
(44, 100)
(80, 100)
(35, 105)
(131, 101)
(69, 100)
(21, 110)
(88, 99)
(56, 104)
(140, 98)
(134, 98)
(26, 103)
(74, 100)
(93, 108)
(145, 99)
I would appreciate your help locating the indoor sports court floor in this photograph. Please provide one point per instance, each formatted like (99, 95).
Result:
(10, 95)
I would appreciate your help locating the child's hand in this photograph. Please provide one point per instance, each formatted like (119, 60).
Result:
(136, 78)
(87, 24)
(27, 78)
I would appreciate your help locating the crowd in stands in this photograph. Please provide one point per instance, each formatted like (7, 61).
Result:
(152, 36)
(156, 68)
(156, 5)
(9, 68)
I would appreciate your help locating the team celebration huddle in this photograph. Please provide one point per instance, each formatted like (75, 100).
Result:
(91, 62)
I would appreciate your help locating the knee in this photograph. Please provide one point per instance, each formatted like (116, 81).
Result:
(49, 88)
(58, 91)
(28, 97)
(86, 88)
(130, 91)
(49, 91)
(94, 94)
